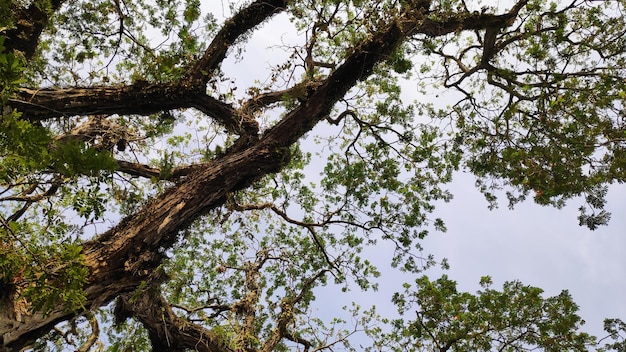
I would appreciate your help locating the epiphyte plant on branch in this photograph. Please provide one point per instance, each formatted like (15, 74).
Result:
(143, 192)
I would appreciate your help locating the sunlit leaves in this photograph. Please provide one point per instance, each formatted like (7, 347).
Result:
(28, 148)
(387, 170)
(62, 281)
(269, 264)
(104, 38)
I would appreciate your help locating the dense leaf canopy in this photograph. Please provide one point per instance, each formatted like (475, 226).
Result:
(150, 193)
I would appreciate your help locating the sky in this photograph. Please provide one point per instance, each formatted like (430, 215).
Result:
(537, 245)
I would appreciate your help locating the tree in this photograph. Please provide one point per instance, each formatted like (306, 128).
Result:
(517, 318)
(118, 110)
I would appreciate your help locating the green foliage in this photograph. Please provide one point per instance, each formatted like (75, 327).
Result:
(44, 275)
(544, 121)
(12, 260)
(516, 318)
(130, 335)
(11, 68)
(62, 281)
(27, 149)
(542, 116)
(75, 158)
(616, 329)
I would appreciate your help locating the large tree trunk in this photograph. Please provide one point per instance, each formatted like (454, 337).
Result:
(128, 254)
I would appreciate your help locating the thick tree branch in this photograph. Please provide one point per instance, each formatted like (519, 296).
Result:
(232, 119)
(28, 24)
(141, 170)
(299, 91)
(356, 67)
(166, 330)
(127, 255)
(474, 21)
(246, 19)
(377, 48)
(140, 98)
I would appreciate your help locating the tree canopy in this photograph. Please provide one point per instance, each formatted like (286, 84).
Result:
(149, 193)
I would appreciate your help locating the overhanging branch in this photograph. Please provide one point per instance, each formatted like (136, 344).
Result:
(140, 98)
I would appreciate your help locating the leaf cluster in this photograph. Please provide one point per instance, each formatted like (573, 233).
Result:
(41, 275)
(516, 318)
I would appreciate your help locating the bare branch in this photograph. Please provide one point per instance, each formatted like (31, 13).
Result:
(95, 333)
(299, 91)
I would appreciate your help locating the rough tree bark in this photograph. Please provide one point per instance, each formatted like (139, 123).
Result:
(122, 258)
(167, 331)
